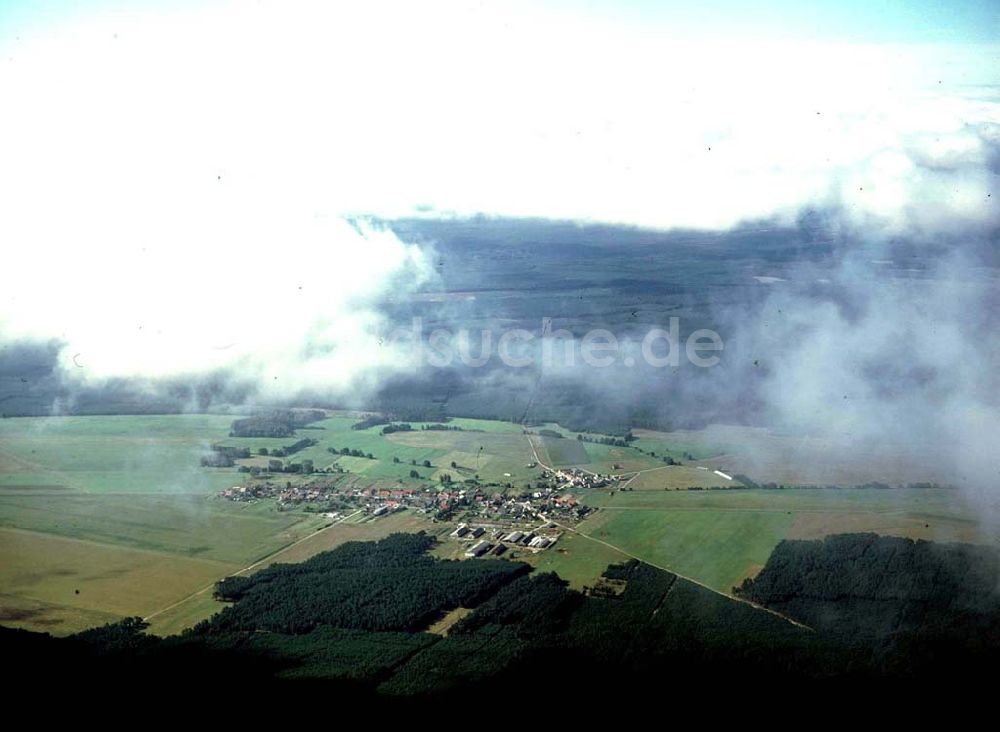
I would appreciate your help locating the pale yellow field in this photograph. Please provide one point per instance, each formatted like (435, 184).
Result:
(369, 530)
(67, 584)
(675, 477)
(932, 528)
(800, 459)
(444, 624)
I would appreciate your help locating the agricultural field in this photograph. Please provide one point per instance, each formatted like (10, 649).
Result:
(769, 457)
(117, 454)
(568, 451)
(562, 452)
(120, 509)
(75, 561)
(605, 458)
(677, 477)
(65, 584)
(496, 451)
(678, 445)
(577, 559)
(107, 516)
(716, 548)
(187, 526)
(498, 457)
(718, 537)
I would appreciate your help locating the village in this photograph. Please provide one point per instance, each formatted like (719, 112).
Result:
(491, 519)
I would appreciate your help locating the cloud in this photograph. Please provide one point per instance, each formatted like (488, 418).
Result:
(274, 295)
(175, 183)
(387, 108)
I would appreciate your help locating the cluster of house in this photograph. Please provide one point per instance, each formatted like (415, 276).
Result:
(248, 493)
(575, 478)
(501, 540)
(474, 502)
(549, 497)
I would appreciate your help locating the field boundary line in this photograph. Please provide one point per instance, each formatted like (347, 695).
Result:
(678, 574)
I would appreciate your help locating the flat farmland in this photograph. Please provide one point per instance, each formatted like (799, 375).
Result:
(716, 548)
(562, 451)
(942, 502)
(677, 477)
(490, 449)
(486, 425)
(678, 445)
(769, 457)
(17, 611)
(718, 537)
(502, 452)
(78, 581)
(604, 458)
(189, 526)
(576, 559)
(119, 454)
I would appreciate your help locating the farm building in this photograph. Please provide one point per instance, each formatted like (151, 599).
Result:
(478, 549)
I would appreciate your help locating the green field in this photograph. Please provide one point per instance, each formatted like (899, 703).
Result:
(504, 456)
(940, 501)
(604, 458)
(498, 452)
(112, 454)
(576, 559)
(107, 516)
(562, 451)
(718, 537)
(674, 477)
(120, 509)
(183, 525)
(663, 444)
(717, 548)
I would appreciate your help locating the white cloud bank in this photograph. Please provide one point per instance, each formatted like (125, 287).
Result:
(172, 182)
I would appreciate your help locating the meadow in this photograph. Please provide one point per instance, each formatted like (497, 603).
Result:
(187, 526)
(107, 516)
(791, 459)
(576, 559)
(719, 537)
(120, 509)
(111, 454)
(677, 477)
(717, 548)
(486, 448)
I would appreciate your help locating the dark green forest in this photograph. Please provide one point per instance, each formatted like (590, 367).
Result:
(918, 604)
(385, 585)
(353, 621)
